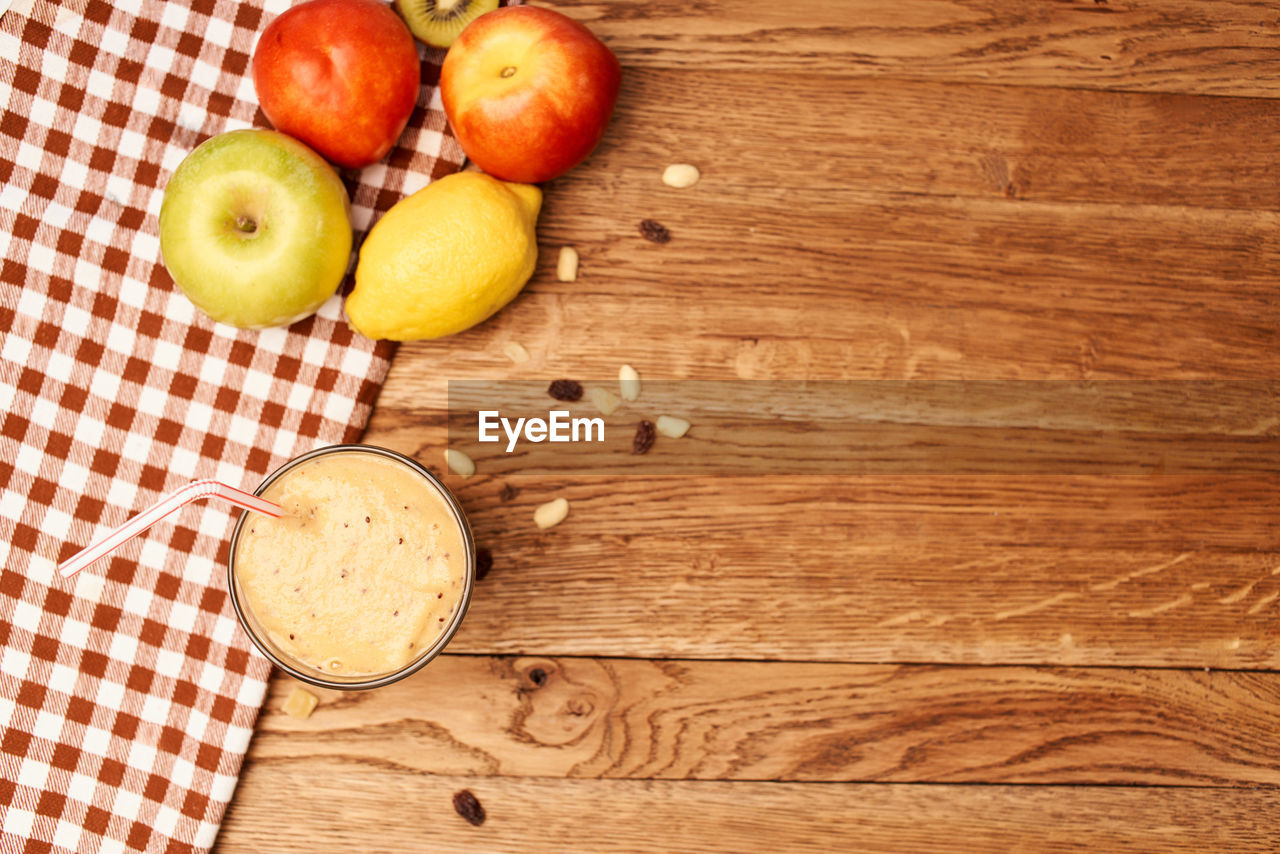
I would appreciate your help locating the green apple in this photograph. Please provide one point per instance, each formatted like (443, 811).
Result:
(255, 228)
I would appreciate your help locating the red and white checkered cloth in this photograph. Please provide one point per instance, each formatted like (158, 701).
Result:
(128, 693)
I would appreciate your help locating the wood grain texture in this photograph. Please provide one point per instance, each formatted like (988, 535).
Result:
(892, 248)
(726, 720)
(1225, 47)
(889, 247)
(1018, 143)
(1134, 571)
(322, 805)
(902, 429)
(928, 189)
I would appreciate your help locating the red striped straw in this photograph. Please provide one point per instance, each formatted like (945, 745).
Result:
(162, 508)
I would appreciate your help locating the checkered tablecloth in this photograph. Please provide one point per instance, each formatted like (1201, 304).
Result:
(128, 694)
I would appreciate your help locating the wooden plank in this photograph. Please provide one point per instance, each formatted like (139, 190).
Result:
(855, 244)
(717, 575)
(871, 427)
(1155, 513)
(305, 805)
(587, 336)
(1226, 47)
(853, 286)
(836, 133)
(733, 720)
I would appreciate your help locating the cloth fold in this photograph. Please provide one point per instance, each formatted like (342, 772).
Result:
(128, 694)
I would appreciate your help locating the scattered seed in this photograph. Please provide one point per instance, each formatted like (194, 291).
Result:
(459, 463)
(400, 542)
(644, 437)
(681, 175)
(672, 427)
(468, 806)
(654, 232)
(366, 520)
(628, 382)
(567, 265)
(551, 514)
(301, 703)
(484, 563)
(515, 352)
(565, 390)
(395, 613)
(604, 400)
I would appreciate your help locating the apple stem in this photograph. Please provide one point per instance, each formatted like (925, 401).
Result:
(508, 71)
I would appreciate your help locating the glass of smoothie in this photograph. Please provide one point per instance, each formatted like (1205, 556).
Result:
(366, 576)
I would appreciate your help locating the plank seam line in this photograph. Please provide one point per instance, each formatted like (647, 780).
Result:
(293, 760)
(860, 663)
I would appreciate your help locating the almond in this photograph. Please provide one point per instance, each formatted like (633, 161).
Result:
(628, 382)
(672, 427)
(516, 352)
(604, 400)
(301, 704)
(567, 266)
(551, 514)
(681, 175)
(459, 463)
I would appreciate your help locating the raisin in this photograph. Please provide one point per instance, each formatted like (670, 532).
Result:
(645, 434)
(484, 563)
(467, 806)
(566, 390)
(654, 231)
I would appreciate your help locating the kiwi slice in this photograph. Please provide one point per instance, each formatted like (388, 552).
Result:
(438, 22)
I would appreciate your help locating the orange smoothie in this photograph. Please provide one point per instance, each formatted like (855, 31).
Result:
(364, 571)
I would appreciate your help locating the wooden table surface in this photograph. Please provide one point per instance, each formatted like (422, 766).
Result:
(915, 189)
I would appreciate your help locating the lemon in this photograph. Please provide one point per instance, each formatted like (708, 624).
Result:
(445, 258)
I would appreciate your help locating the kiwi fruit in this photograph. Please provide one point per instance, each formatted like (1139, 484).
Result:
(438, 22)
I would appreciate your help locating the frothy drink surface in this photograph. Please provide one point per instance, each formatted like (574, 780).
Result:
(364, 571)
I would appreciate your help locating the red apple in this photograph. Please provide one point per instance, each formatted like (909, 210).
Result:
(340, 75)
(528, 92)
